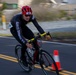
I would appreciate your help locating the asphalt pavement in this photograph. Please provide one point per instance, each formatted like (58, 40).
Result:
(67, 55)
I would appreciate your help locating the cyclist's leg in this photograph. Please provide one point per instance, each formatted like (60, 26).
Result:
(23, 45)
(23, 49)
(29, 35)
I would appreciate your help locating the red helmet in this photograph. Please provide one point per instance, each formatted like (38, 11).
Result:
(26, 10)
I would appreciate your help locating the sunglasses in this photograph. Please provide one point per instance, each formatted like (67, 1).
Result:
(27, 15)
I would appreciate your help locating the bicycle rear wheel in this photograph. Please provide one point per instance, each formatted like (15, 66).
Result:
(46, 61)
(18, 55)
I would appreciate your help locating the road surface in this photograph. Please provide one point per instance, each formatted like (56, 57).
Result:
(9, 65)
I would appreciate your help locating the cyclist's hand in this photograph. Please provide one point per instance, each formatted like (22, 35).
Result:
(29, 45)
(47, 37)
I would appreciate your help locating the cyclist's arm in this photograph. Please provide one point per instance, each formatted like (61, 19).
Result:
(19, 33)
(39, 28)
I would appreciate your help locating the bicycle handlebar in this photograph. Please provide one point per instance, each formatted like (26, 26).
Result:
(38, 36)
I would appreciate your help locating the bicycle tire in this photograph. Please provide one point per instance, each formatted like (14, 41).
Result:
(17, 53)
(45, 63)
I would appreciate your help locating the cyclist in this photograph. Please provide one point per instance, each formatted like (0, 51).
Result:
(21, 32)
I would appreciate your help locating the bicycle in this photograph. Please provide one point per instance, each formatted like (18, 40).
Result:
(45, 59)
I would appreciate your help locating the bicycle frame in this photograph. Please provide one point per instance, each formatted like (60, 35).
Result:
(35, 55)
(36, 52)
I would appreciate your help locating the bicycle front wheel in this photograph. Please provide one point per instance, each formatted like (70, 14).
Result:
(46, 61)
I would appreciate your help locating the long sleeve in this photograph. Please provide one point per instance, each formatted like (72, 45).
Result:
(18, 29)
(39, 28)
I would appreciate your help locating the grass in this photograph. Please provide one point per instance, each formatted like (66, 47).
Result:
(64, 35)
(5, 34)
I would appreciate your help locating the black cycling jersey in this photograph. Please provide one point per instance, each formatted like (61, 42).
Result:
(18, 24)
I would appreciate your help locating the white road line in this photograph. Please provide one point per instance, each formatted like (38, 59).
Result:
(60, 43)
(45, 41)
